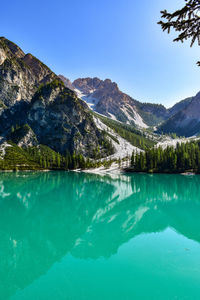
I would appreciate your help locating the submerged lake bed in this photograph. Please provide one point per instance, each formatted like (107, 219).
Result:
(67, 235)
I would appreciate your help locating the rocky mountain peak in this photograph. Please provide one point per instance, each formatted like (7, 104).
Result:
(87, 85)
(186, 122)
(104, 97)
(14, 49)
(20, 74)
(193, 109)
(198, 96)
(39, 69)
(66, 82)
(110, 85)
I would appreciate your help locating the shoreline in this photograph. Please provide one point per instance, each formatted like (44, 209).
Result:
(114, 169)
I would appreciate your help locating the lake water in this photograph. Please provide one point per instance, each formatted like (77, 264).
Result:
(79, 236)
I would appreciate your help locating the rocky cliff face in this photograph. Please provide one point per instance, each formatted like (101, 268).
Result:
(104, 97)
(20, 74)
(66, 82)
(55, 109)
(32, 95)
(181, 105)
(186, 122)
(23, 136)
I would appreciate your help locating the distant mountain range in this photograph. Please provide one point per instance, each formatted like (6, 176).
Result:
(186, 121)
(104, 97)
(89, 116)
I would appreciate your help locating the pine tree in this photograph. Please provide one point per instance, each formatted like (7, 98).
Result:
(185, 156)
(185, 21)
(58, 160)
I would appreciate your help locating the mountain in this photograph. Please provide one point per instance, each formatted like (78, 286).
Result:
(104, 97)
(31, 94)
(152, 114)
(186, 122)
(179, 106)
(39, 108)
(66, 82)
(20, 74)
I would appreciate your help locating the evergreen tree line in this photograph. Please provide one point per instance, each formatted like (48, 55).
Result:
(49, 159)
(185, 157)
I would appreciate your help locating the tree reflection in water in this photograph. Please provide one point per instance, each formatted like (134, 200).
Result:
(45, 216)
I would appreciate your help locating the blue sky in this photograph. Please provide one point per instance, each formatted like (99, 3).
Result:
(116, 39)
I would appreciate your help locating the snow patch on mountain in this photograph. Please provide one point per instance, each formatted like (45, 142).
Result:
(91, 102)
(88, 99)
(79, 93)
(123, 148)
(135, 118)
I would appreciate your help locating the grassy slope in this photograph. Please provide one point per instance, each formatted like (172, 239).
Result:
(17, 158)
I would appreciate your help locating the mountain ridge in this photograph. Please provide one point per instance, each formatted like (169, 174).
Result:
(37, 107)
(186, 122)
(105, 97)
(32, 94)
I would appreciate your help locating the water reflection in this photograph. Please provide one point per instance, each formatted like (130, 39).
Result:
(45, 216)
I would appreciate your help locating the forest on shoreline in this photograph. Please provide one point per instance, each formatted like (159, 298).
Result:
(185, 157)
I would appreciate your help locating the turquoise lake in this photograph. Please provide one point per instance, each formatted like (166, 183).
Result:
(76, 236)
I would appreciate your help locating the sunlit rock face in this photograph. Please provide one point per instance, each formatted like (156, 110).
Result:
(57, 110)
(20, 73)
(105, 97)
(31, 94)
(66, 82)
(2, 56)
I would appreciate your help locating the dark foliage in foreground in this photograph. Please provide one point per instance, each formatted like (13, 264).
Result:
(186, 21)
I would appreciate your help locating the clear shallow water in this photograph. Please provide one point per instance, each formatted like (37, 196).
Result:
(79, 236)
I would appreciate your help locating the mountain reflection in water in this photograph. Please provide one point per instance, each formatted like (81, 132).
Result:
(45, 216)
